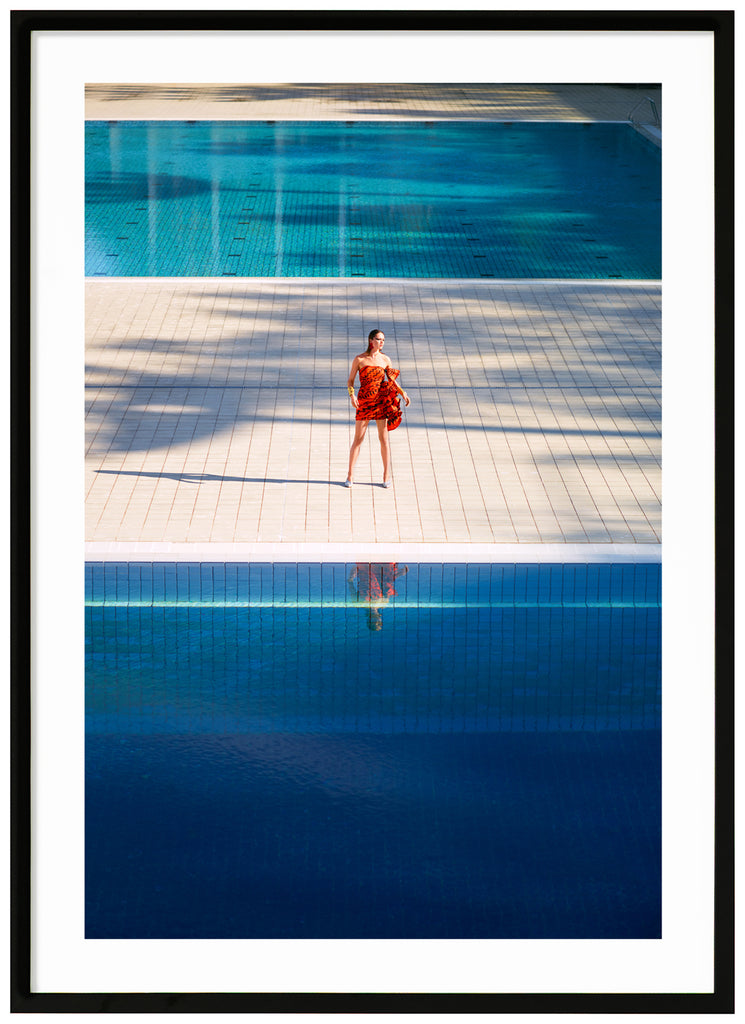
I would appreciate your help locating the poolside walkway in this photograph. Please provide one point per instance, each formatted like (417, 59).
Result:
(218, 412)
(374, 101)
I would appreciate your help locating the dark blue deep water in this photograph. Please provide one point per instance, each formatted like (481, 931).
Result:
(389, 751)
(371, 199)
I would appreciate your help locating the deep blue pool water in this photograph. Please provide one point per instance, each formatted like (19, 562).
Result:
(371, 199)
(372, 751)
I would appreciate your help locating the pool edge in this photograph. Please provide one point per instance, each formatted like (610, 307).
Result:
(118, 551)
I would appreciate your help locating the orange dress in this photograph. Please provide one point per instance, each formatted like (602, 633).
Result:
(377, 398)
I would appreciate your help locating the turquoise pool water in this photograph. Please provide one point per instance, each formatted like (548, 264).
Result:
(371, 199)
(372, 750)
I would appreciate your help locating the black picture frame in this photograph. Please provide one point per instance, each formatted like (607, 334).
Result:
(23, 25)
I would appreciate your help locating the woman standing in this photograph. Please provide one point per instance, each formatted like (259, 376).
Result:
(377, 400)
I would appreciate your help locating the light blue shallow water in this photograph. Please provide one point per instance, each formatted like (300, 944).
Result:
(378, 750)
(385, 199)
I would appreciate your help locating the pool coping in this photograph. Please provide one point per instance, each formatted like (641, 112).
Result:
(615, 282)
(371, 119)
(306, 551)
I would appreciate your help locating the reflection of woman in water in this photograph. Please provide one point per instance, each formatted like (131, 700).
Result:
(375, 587)
(377, 400)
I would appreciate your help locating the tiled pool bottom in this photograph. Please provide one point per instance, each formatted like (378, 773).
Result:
(298, 751)
(371, 199)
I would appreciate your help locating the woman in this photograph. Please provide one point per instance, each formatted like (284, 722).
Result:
(377, 400)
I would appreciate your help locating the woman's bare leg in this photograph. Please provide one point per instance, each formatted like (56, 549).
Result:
(385, 448)
(360, 429)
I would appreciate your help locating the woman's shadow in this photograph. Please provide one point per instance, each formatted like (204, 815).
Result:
(200, 478)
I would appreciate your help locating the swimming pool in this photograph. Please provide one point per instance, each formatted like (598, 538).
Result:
(372, 750)
(371, 199)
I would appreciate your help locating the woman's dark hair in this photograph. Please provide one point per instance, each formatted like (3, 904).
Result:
(371, 335)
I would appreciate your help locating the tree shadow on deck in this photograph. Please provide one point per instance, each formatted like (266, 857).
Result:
(284, 350)
(498, 101)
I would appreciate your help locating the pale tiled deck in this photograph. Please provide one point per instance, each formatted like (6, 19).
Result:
(360, 101)
(218, 412)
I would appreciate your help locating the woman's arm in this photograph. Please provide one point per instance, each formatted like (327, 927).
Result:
(398, 388)
(350, 381)
(353, 371)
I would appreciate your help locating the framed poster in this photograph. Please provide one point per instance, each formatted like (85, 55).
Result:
(181, 314)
